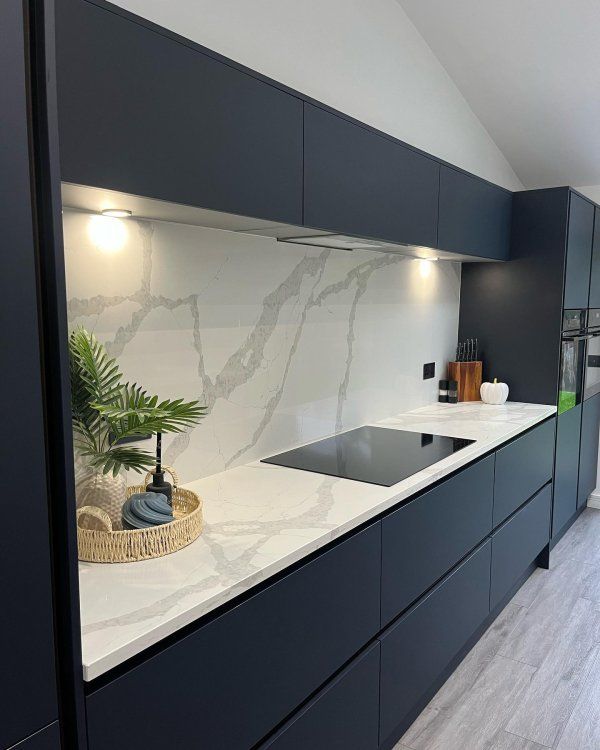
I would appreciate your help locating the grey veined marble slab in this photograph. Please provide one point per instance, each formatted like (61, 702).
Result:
(261, 518)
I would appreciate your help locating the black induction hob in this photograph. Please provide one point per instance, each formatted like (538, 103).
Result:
(377, 455)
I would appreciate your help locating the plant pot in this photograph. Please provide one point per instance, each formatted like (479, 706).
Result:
(103, 491)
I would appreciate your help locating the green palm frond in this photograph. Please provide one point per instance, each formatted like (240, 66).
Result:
(105, 411)
(135, 413)
(120, 456)
(97, 374)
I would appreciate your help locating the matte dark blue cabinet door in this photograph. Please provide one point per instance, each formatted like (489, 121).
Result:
(361, 183)
(45, 739)
(142, 113)
(522, 467)
(588, 452)
(517, 543)
(343, 716)
(27, 667)
(422, 540)
(566, 468)
(474, 216)
(228, 684)
(595, 274)
(579, 252)
(417, 649)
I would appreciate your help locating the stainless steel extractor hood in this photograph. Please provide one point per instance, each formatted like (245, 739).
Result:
(95, 200)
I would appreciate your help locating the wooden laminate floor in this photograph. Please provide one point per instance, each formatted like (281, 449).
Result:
(533, 680)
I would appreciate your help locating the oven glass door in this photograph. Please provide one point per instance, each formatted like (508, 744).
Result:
(592, 366)
(571, 372)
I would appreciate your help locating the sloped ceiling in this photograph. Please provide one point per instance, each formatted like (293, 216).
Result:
(530, 70)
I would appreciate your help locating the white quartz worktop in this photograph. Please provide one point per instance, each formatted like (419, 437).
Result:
(259, 519)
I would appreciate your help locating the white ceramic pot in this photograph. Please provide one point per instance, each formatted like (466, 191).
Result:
(101, 490)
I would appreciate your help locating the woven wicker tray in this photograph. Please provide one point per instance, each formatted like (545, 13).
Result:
(114, 546)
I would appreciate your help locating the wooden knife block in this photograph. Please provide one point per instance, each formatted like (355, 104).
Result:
(468, 376)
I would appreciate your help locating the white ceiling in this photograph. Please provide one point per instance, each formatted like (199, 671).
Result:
(530, 70)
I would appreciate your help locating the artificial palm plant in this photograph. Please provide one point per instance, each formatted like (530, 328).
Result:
(106, 411)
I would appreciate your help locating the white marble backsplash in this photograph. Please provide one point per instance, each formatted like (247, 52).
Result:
(283, 343)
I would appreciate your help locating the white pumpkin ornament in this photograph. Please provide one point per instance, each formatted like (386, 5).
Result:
(494, 393)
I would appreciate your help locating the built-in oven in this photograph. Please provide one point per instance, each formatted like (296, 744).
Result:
(572, 361)
(592, 355)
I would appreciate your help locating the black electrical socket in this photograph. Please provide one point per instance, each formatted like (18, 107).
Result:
(429, 370)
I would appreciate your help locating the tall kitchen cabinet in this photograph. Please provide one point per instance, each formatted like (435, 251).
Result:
(39, 613)
(27, 627)
(518, 310)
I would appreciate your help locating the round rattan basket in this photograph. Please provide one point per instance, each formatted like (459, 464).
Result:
(106, 545)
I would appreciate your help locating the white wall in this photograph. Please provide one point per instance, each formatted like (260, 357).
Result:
(363, 57)
(591, 191)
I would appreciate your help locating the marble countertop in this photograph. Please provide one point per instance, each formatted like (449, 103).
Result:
(259, 519)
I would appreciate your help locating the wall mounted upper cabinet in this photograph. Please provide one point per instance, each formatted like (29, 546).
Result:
(595, 272)
(474, 216)
(579, 252)
(360, 183)
(151, 115)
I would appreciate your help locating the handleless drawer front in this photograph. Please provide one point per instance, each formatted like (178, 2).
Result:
(517, 543)
(229, 683)
(46, 739)
(425, 538)
(416, 650)
(343, 716)
(522, 467)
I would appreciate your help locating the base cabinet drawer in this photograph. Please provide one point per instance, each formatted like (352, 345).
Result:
(227, 684)
(343, 716)
(46, 739)
(425, 538)
(417, 649)
(517, 543)
(522, 468)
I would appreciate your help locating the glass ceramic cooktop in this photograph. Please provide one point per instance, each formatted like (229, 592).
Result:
(378, 455)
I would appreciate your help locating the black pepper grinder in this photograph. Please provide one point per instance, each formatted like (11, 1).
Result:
(158, 483)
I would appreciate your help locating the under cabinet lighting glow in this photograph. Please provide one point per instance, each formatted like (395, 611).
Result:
(425, 266)
(117, 213)
(108, 233)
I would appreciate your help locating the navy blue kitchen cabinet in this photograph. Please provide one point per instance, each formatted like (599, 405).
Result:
(522, 467)
(588, 451)
(144, 113)
(474, 216)
(361, 183)
(416, 650)
(594, 300)
(343, 716)
(579, 252)
(421, 541)
(26, 621)
(230, 682)
(517, 543)
(566, 469)
(46, 739)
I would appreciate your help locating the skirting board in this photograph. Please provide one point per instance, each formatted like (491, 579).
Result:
(594, 499)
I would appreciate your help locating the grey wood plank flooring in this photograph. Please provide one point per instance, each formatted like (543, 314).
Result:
(533, 680)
